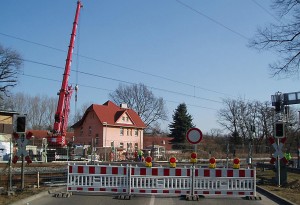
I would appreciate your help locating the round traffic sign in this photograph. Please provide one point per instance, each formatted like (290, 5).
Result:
(194, 135)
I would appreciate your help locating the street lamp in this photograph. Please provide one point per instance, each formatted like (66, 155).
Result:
(105, 123)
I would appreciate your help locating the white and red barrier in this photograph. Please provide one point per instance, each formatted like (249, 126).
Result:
(161, 180)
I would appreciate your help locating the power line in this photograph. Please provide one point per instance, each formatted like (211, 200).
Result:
(127, 82)
(108, 90)
(213, 20)
(117, 65)
(266, 10)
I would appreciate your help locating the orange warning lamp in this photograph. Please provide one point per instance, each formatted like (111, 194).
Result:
(193, 157)
(212, 163)
(236, 163)
(148, 161)
(172, 162)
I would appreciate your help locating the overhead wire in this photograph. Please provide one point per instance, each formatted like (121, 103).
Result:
(127, 82)
(119, 66)
(108, 90)
(212, 20)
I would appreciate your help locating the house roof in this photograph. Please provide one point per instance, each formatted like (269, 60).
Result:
(109, 112)
(150, 140)
(44, 133)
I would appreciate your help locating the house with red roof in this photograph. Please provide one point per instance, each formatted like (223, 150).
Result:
(110, 126)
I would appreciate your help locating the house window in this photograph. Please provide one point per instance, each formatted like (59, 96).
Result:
(123, 119)
(81, 131)
(126, 119)
(128, 132)
(136, 146)
(96, 139)
(121, 145)
(121, 131)
(135, 132)
(90, 130)
(112, 144)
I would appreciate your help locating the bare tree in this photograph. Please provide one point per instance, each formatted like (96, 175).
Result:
(10, 63)
(283, 38)
(39, 109)
(142, 101)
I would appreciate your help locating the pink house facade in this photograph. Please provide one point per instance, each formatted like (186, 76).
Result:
(110, 126)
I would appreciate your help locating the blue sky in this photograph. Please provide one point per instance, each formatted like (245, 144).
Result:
(191, 51)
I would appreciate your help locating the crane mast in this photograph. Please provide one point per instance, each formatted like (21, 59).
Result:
(57, 137)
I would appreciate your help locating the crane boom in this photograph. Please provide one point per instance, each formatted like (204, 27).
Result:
(57, 137)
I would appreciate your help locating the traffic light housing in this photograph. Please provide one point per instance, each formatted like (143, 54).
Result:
(21, 124)
(279, 129)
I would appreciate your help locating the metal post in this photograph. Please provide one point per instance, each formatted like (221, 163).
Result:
(227, 152)
(105, 141)
(278, 165)
(38, 179)
(10, 168)
(22, 173)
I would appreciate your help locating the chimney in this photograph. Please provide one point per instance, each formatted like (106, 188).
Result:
(123, 105)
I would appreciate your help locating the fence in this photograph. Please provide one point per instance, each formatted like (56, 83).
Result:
(132, 180)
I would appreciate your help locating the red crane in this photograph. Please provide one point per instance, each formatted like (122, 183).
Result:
(58, 135)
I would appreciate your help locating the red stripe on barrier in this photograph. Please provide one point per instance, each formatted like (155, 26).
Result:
(205, 192)
(229, 193)
(252, 173)
(206, 172)
(196, 173)
(166, 172)
(154, 172)
(143, 171)
(241, 193)
(229, 173)
(241, 173)
(79, 189)
(142, 191)
(91, 189)
(177, 191)
(218, 173)
(114, 170)
(218, 192)
(165, 191)
(124, 171)
(114, 190)
(188, 172)
(91, 170)
(69, 188)
(102, 189)
(153, 191)
(102, 170)
(80, 169)
(70, 169)
(177, 172)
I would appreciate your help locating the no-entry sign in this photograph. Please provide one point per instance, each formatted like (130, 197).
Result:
(194, 135)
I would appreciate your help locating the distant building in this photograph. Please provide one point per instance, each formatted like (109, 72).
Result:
(157, 146)
(6, 130)
(117, 129)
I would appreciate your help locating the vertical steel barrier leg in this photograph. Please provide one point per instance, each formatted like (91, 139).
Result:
(193, 179)
(254, 182)
(129, 179)
(192, 195)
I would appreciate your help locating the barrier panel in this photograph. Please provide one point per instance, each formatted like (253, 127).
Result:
(130, 180)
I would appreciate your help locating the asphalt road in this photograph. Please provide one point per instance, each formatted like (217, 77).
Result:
(143, 200)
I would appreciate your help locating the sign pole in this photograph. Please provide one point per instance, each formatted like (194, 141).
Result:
(278, 165)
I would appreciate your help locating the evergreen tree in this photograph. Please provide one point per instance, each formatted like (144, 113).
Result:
(182, 122)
